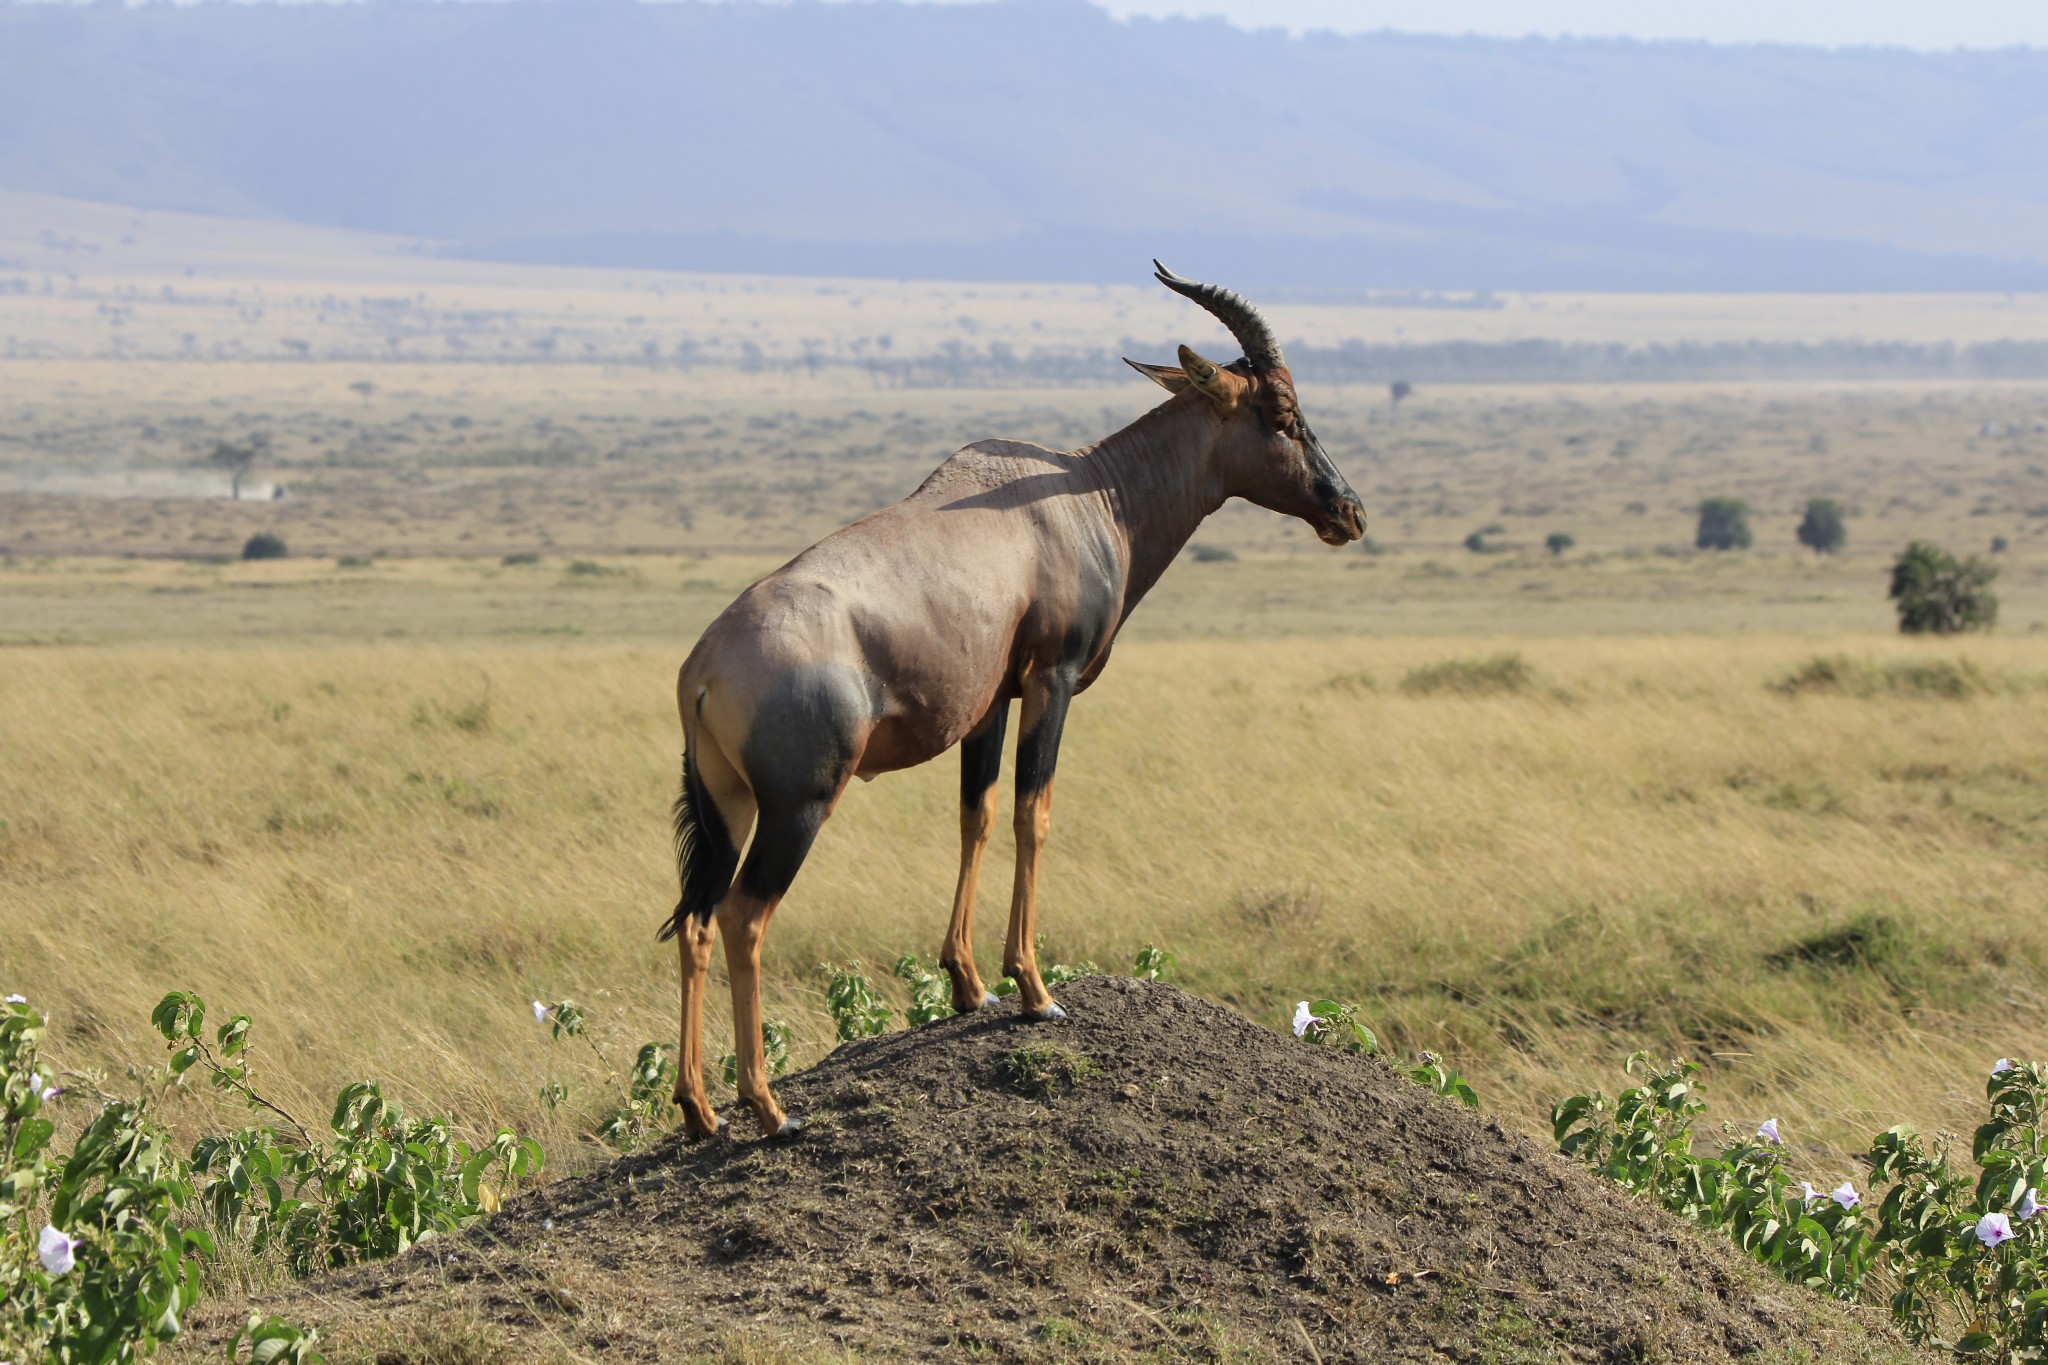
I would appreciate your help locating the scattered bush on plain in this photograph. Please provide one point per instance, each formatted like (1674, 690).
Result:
(1823, 529)
(1937, 594)
(1724, 525)
(264, 545)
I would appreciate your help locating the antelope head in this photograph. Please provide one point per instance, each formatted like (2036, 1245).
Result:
(1266, 453)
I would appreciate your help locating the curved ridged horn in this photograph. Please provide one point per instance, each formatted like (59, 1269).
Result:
(1253, 333)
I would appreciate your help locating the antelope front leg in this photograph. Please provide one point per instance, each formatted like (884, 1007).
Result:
(981, 760)
(699, 1118)
(1038, 749)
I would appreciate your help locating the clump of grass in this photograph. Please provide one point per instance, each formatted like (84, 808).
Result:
(590, 568)
(1212, 554)
(355, 562)
(1042, 1070)
(1354, 682)
(1843, 676)
(522, 559)
(1496, 675)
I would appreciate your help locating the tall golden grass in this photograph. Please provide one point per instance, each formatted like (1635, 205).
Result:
(385, 851)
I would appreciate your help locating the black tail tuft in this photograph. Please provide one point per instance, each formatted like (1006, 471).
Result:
(705, 856)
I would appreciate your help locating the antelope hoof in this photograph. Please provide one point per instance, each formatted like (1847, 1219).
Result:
(789, 1129)
(698, 1123)
(1048, 1013)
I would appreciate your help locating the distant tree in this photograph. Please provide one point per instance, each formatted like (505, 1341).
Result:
(1999, 545)
(1938, 595)
(263, 545)
(363, 388)
(1398, 390)
(1822, 530)
(1478, 544)
(1557, 542)
(238, 458)
(1724, 524)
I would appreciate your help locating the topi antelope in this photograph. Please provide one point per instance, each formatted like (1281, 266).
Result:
(1004, 577)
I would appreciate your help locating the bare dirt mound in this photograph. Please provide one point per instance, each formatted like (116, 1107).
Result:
(1153, 1175)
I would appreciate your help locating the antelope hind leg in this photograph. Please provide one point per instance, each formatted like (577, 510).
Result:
(699, 1118)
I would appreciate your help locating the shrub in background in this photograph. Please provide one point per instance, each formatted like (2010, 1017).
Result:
(1937, 594)
(264, 545)
(1724, 525)
(1821, 529)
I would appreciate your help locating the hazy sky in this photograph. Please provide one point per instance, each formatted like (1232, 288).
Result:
(1925, 24)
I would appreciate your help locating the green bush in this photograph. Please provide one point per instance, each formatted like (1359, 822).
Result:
(1557, 542)
(1212, 554)
(94, 1266)
(1965, 1256)
(264, 545)
(1494, 675)
(1822, 529)
(857, 1012)
(1936, 594)
(1724, 525)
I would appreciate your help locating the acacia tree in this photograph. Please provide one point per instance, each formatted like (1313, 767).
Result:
(238, 458)
(1724, 524)
(1822, 529)
(1937, 594)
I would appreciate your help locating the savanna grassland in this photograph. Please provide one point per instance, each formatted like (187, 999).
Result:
(385, 792)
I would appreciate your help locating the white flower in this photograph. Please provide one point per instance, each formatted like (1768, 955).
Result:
(46, 1093)
(1768, 1131)
(1845, 1195)
(2028, 1206)
(57, 1252)
(1994, 1228)
(17, 1000)
(51, 1092)
(1302, 1019)
(2001, 1066)
(1807, 1193)
(540, 1013)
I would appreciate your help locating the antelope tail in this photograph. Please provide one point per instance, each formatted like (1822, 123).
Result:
(705, 857)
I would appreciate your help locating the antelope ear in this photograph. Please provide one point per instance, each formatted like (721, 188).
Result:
(1217, 384)
(1165, 376)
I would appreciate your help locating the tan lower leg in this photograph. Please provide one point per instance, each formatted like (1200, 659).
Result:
(1020, 952)
(699, 1118)
(957, 954)
(742, 920)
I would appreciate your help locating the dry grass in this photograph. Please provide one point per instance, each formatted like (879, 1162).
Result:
(385, 850)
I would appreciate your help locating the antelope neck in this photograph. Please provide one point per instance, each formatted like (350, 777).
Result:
(1158, 480)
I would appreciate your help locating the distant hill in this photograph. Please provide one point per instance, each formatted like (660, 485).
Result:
(1040, 139)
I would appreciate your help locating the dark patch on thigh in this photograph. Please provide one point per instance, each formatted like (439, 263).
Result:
(797, 754)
